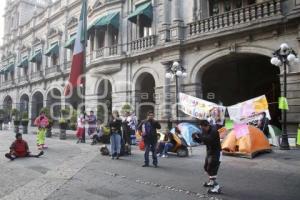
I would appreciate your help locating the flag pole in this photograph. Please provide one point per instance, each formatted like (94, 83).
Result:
(84, 3)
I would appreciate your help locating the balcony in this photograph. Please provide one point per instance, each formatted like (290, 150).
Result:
(23, 79)
(143, 43)
(105, 52)
(36, 75)
(237, 17)
(7, 83)
(53, 69)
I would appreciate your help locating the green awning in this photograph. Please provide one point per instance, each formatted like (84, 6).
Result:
(144, 11)
(70, 43)
(10, 67)
(37, 57)
(53, 50)
(23, 63)
(106, 20)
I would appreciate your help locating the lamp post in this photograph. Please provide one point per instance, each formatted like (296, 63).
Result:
(176, 70)
(284, 56)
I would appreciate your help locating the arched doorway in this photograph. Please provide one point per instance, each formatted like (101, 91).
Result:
(239, 77)
(145, 95)
(54, 102)
(7, 107)
(24, 103)
(36, 104)
(104, 96)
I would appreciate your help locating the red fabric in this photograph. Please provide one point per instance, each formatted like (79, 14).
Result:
(20, 148)
(41, 122)
(79, 132)
(76, 72)
(142, 145)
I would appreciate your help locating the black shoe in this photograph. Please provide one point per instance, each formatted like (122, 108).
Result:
(9, 156)
(40, 154)
(118, 156)
(145, 165)
(155, 165)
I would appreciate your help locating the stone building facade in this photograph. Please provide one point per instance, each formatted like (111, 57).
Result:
(224, 47)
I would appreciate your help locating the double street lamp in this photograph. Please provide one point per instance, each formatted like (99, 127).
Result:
(177, 71)
(284, 56)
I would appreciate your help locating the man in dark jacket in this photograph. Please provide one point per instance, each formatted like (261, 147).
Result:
(210, 137)
(19, 148)
(148, 128)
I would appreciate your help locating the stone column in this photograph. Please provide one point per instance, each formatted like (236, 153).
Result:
(107, 41)
(164, 32)
(177, 28)
(167, 113)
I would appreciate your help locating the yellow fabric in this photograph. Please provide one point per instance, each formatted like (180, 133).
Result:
(41, 135)
(298, 136)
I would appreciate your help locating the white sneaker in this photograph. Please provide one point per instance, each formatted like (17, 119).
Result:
(215, 190)
(164, 156)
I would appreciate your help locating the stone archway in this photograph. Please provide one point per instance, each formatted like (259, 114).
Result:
(7, 107)
(24, 103)
(54, 102)
(145, 94)
(104, 97)
(238, 77)
(37, 103)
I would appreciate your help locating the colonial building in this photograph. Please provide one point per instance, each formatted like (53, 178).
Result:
(224, 47)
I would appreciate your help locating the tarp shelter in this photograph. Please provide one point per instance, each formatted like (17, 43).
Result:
(248, 145)
(274, 135)
(186, 130)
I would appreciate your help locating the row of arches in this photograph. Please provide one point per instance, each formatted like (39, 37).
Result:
(226, 80)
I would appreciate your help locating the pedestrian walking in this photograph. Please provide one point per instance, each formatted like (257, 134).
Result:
(115, 135)
(19, 149)
(42, 123)
(80, 128)
(210, 137)
(149, 133)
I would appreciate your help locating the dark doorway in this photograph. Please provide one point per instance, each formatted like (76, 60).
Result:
(145, 91)
(104, 96)
(239, 77)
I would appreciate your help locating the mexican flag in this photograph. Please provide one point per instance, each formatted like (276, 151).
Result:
(75, 77)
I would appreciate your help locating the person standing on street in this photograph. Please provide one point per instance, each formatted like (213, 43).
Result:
(80, 128)
(210, 137)
(149, 134)
(92, 124)
(41, 122)
(115, 135)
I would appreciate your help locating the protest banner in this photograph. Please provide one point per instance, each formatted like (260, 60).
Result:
(201, 109)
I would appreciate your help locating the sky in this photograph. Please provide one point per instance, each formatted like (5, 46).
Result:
(2, 6)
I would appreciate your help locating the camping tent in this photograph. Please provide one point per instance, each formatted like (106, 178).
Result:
(186, 130)
(247, 145)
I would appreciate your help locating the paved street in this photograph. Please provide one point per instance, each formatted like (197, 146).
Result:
(78, 171)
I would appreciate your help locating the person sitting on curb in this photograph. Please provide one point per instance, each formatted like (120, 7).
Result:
(19, 149)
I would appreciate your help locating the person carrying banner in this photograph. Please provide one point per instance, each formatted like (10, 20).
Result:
(210, 137)
(42, 123)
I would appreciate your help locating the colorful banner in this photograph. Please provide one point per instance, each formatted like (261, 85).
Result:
(249, 110)
(201, 109)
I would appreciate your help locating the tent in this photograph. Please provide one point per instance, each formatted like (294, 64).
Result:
(248, 145)
(274, 135)
(186, 130)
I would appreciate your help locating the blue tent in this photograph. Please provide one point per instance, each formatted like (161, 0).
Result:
(187, 129)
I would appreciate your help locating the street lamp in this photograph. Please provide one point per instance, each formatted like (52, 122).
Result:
(284, 56)
(176, 70)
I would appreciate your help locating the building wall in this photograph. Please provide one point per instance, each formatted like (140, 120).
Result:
(171, 28)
